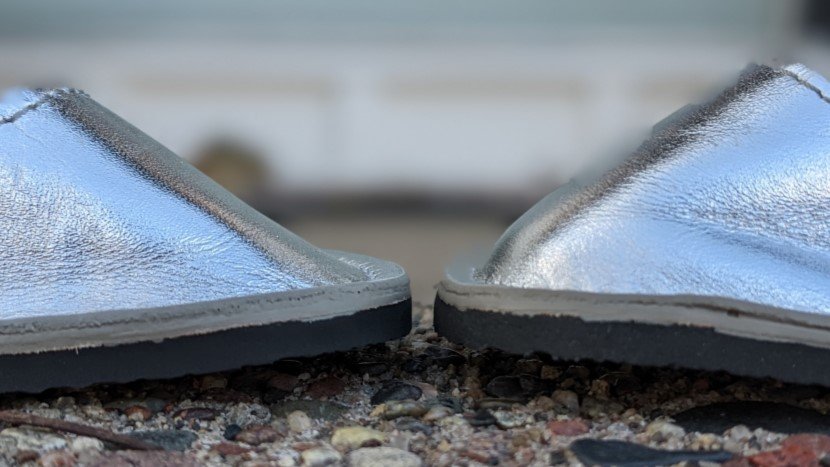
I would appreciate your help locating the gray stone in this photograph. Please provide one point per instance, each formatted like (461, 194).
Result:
(320, 457)
(437, 412)
(383, 457)
(244, 414)
(396, 409)
(506, 420)
(169, 440)
(568, 401)
(298, 421)
(352, 437)
(396, 391)
(661, 430)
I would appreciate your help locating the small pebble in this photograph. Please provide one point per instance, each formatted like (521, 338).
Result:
(396, 391)
(738, 433)
(257, 434)
(320, 457)
(244, 414)
(661, 430)
(64, 403)
(298, 421)
(482, 417)
(285, 460)
(231, 431)
(596, 408)
(428, 391)
(506, 420)
(573, 427)
(567, 400)
(544, 403)
(138, 413)
(383, 457)
(84, 443)
(396, 409)
(353, 437)
(411, 424)
(437, 412)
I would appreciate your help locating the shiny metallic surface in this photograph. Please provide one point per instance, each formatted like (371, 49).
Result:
(95, 215)
(730, 199)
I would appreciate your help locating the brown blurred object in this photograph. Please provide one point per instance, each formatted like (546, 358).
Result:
(234, 165)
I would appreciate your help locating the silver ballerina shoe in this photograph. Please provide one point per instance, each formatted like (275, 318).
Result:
(708, 248)
(120, 261)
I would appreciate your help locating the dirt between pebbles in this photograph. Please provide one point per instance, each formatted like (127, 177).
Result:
(425, 401)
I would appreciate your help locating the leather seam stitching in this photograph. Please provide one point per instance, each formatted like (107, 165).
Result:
(807, 85)
(54, 93)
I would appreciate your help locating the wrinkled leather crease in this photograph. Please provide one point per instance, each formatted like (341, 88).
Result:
(730, 199)
(96, 215)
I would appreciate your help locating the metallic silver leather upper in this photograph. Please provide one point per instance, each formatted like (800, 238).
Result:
(95, 215)
(730, 199)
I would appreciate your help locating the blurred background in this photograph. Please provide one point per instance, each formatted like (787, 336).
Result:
(408, 130)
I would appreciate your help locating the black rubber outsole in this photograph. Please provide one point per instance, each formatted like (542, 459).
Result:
(217, 351)
(570, 338)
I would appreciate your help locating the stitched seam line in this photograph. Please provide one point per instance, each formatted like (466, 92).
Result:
(54, 93)
(807, 85)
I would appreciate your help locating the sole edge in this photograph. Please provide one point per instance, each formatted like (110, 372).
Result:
(205, 353)
(570, 338)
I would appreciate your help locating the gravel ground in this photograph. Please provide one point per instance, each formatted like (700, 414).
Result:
(425, 401)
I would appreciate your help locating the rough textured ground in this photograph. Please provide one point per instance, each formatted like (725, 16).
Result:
(426, 401)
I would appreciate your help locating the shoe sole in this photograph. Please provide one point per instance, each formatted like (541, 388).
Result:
(704, 333)
(206, 353)
(125, 345)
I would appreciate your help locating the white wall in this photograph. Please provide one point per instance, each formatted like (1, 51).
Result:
(503, 115)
